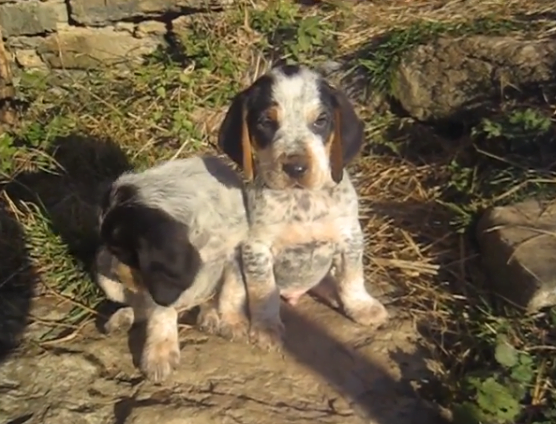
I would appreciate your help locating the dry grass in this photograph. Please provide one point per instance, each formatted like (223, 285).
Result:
(80, 132)
(376, 18)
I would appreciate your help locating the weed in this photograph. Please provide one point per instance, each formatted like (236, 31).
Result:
(496, 397)
(497, 377)
(292, 37)
(509, 158)
(59, 270)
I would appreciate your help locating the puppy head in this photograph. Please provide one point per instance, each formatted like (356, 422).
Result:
(293, 129)
(150, 242)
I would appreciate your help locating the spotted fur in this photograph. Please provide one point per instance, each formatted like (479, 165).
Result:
(170, 237)
(293, 135)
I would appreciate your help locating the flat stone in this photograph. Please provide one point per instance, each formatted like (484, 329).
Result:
(24, 42)
(102, 12)
(44, 386)
(452, 78)
(85, 48)
(332, 372)
(518, 247)
(147, 28)
(125, 26)
(32, 17)
(29, 59)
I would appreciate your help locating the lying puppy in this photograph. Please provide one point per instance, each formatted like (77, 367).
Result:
(292, 133)
(169, 239)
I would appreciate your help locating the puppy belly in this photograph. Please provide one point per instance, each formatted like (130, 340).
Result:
(298, 271)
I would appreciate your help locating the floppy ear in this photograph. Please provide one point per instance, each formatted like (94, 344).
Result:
(348, 134)
(168, 262)
(234, 138)
(155, 247)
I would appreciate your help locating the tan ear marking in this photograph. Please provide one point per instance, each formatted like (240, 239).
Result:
(336, 152)
(246, 148)
(128, 277)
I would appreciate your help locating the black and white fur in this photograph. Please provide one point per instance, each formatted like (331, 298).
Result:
(169, 238)
(293, 134)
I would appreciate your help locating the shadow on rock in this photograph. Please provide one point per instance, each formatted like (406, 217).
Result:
(333, 371)
(17, 282)
(440, 77)
(374, 390)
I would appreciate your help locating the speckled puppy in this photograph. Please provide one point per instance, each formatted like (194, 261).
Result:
(170, 237)
(293, 133)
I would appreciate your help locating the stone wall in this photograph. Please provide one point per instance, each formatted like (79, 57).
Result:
(81, 34)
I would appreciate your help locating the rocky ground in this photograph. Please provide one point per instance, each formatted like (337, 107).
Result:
(332, 372)
(456, 189)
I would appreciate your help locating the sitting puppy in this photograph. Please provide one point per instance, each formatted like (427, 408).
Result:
(292, 133)
(169, 239)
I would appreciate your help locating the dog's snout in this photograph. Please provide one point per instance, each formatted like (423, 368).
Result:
(294, 169)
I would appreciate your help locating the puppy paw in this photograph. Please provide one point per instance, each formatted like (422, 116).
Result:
(208, 320)
(230, 328)
(267, 336)
(370, 313)
(121, 320)
(234, 328)
(160, 359)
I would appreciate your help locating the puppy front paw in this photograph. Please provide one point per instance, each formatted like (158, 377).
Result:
(267, 335)
(227, 326)
(208, 320)
(121, 320)
(370, 313)
(234, 328)
(160, 359)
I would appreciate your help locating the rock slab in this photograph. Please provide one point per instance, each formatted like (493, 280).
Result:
(82, 48)
(85, 34)
(32, 17)
(518, 248)
(103, 12)
(450, 77)
(337, 373)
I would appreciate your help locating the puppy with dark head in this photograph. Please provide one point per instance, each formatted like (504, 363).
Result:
(293, 134)
(149, 240)
(169, 238)
(293, 128)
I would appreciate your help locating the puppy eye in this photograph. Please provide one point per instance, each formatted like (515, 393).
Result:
(321, 121)
(264, 121)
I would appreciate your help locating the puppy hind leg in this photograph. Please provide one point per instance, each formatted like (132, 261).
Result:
(232, 304)
(356, 301)
(225, 314)
(326, 291)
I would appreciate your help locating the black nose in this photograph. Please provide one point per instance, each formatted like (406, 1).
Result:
(294, 170)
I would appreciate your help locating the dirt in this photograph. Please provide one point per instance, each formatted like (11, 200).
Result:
(332, 371)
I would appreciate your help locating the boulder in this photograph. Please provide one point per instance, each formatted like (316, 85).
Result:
(518, 249)
(441, 80)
